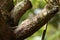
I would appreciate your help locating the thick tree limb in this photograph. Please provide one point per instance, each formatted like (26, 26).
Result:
(20, 9)
(29, 26)
(12, 18)
(6, 32)
(6, 6)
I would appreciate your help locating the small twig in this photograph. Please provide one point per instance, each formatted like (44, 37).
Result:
(44, 32)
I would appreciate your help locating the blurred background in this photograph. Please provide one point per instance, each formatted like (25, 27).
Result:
(53, 30)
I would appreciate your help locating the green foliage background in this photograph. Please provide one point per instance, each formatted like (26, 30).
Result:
(53, 30)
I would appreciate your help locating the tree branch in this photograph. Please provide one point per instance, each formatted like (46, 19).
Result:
(44, 31)
(6, 32)
(20, 9)
(6, 6)
(31, 25)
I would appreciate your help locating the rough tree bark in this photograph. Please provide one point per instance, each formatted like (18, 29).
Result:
(10, 15)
